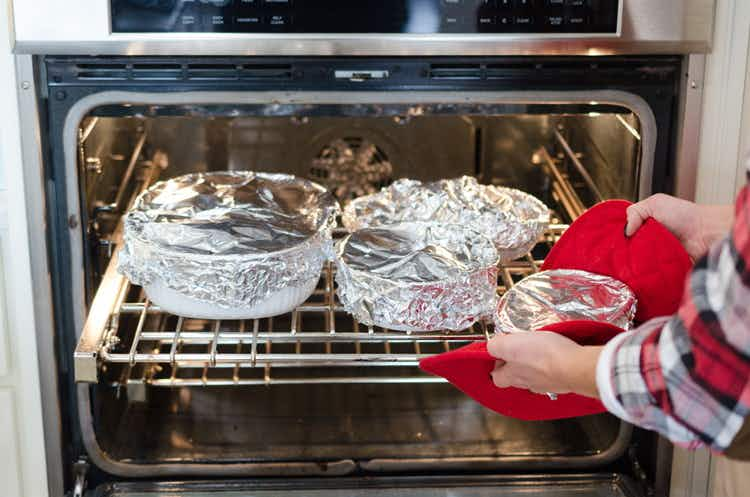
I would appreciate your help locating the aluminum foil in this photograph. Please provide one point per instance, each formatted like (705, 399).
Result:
(514, 220)
(417, 276)
(565, 295)
(229, 238)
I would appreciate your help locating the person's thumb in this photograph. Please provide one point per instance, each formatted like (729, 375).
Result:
(637, 215)
(504, 346)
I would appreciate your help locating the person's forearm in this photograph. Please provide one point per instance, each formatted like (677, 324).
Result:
(582, 371)
(715, 221)
(687, 375)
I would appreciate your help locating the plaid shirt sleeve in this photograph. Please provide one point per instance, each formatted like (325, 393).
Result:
(687, 376)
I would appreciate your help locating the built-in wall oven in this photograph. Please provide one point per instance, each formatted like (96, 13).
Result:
(575, 101)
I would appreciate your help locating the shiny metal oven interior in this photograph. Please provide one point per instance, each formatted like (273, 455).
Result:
(314, 392)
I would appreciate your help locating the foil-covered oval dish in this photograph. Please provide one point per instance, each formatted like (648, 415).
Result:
(513, 219)
(229, 245)
(417, 276)
(561, 295)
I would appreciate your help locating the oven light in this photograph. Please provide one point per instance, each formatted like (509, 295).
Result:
(594, 114)
(593, 102)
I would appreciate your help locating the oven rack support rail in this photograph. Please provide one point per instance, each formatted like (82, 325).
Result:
(128, 340)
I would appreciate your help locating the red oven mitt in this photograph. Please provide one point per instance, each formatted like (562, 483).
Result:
(652, 263)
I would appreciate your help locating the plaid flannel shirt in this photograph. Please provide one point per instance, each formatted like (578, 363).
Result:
(687, 376)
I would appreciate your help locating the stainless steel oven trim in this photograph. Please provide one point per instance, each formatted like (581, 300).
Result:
(334, 468)
(361, 46)
(689, 126)
(630, 101)
(41, 283)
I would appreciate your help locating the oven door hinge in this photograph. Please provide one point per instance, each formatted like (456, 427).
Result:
(80, 469)
(639, 473)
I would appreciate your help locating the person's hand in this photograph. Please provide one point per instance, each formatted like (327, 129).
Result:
(543, 361)
(696, 226)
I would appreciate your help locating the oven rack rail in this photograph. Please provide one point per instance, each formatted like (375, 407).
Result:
(127, 340)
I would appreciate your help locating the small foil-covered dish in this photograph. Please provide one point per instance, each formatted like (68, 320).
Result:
(512, 219)
(229, 245)
(562, 295)
(417, 276)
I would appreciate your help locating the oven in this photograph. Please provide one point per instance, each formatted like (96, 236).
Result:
(574, 101)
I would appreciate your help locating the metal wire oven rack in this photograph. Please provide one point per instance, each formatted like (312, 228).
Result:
(129, 340)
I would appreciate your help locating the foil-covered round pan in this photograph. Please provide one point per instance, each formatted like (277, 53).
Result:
(513, 219)
(231, 239)
(560, 295)
(417, 276)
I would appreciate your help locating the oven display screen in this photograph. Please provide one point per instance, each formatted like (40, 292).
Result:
(365, 16)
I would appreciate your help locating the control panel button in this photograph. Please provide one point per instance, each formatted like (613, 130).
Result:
(278, 3)
(453, 2)
(577, 3)
(279, 20)
(524, 20)
(554, 21)
(485, 20)
(248, 21)
(487, 3)
(576, 20)
(188, 21)
(555, 3)
(505, 4)
(249, 2)
(524, 3)
(505, 21)
(217, 20)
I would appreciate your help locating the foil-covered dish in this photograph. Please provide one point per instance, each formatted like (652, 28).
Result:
(417, 276)
(561, 295)
(513, 219)
(229, 245)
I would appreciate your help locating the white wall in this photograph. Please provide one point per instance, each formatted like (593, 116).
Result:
(725, 130)
(724, 147)
(22, 458)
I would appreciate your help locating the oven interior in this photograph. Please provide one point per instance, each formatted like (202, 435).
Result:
(314, 389)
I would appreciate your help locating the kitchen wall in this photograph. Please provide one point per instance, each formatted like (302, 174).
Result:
(725, 128)
(22, 447)
(724, 149)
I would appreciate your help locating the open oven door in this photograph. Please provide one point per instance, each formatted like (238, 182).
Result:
(598, 485)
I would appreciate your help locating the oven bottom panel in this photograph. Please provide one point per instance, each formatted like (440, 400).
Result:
(371, 424)
(599, 485)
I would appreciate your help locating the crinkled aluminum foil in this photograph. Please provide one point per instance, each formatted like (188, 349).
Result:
(565, 295)
(514, 220)
(229, 238)
(417, 276)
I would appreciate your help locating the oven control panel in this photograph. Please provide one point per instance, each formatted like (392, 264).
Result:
(566, 17)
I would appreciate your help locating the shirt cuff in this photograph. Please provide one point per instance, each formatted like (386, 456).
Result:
(604, 383)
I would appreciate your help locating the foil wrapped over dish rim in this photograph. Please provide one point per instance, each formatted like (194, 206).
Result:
(463, 296)
(340, 246)
(327, 224)
(500, 211)
(242, 281)
(620, 308)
